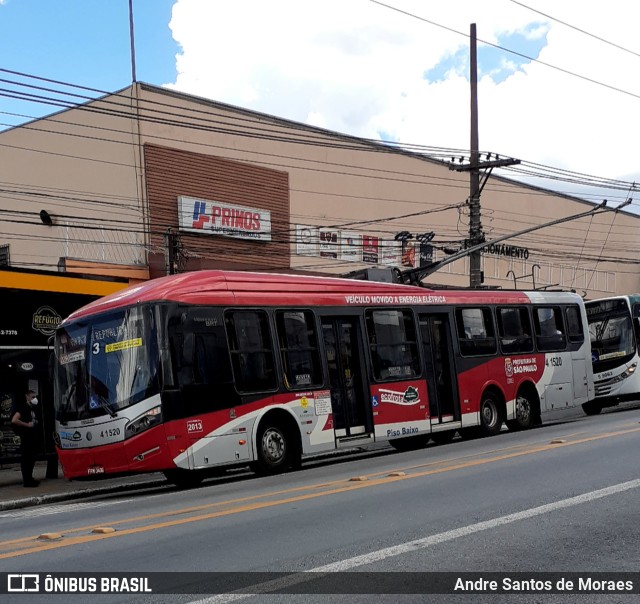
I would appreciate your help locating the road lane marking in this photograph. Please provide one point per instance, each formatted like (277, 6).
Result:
(47, 510)
(418, 544)
(321, 485)
(346, 487)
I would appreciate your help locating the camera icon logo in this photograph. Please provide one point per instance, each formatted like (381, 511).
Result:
(24, 582)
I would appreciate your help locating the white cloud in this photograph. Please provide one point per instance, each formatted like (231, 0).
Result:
(357, 67)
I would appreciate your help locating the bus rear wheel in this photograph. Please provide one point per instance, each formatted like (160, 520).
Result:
(490, 415)
(592, 408)
(524, 414)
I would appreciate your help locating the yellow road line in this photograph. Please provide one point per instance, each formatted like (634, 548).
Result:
(316, 486)
(351, 486)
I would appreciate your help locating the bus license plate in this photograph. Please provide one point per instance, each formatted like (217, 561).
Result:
(95, 470)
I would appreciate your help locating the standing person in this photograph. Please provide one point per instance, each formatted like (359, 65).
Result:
(23, 421)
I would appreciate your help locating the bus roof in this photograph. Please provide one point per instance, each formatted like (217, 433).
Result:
(632, 298)
(268, 289)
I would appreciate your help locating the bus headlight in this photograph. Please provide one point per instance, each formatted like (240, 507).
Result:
(625, 374)
(147, 420)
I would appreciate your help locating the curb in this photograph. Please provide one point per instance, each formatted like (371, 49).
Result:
(79, 494)
(149, 484)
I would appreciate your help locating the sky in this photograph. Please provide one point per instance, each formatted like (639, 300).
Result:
(558, 82)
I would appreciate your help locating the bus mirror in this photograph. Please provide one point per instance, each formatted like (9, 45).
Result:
(636, 329)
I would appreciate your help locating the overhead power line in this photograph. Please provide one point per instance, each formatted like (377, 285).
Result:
(582, 31)
(538, 170)
(513, 52)
(434, 153)
(312, 167)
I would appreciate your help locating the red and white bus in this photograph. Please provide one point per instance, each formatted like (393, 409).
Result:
(199, 370)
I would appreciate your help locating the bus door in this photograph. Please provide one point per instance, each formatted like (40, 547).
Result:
(442, 384)
(347, 377)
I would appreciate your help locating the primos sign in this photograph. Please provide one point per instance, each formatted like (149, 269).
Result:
(510, 251)
(216, 218)
(45, 320)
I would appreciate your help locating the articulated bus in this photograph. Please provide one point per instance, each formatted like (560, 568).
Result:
(192, 372)
(614, 330)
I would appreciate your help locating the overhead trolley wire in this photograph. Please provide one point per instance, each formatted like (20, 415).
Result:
(128, 115)
(513, 52)
(582, 31)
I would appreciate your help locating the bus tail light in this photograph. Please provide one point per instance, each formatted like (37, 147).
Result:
(147, 420)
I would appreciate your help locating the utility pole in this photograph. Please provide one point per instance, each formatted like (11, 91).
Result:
(171, 251)
(475, 224)
(476, 235)
(132, 42)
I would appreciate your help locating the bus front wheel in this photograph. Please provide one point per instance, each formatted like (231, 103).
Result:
(592, 408)
(277, 450)
(490, 415)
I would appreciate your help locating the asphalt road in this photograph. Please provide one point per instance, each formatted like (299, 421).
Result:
(563, 498)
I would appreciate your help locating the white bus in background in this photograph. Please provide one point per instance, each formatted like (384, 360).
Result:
(614, 330)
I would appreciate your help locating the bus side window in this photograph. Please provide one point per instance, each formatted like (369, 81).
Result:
(476, 333)
(199, 348)
(393, 344)
(182, 354)
(299, 352)
(252, 357)
(514, 327)
(575, 331)
(186, 349)
(211, 363)
(549, 328)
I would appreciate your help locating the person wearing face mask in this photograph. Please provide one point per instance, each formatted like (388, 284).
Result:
(23, 421)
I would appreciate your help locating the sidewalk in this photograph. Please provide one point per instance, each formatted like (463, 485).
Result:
(51, 490)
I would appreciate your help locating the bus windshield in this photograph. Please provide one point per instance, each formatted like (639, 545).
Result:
(106, 364)
(611, 337)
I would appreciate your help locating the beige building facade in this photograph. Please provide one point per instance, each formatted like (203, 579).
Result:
(147, 181)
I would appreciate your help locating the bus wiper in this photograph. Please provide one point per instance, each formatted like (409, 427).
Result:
(64, 410)
(102, 401)
(600, 329)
